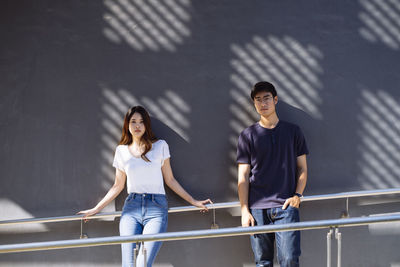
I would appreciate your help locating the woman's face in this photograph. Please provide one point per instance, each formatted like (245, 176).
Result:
(136, 126)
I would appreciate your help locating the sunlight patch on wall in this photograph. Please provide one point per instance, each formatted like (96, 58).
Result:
(381, 22)
(388, 228)
(380, 140)
(153, 25)
(295, 70)
(12, 211)
(170, 108)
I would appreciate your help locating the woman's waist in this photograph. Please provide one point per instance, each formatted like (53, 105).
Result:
(145, 195)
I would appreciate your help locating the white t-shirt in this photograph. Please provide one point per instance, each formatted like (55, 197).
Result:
(142, 176)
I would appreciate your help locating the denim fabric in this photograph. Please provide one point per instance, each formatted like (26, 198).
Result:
(287, 243)
(143, 214)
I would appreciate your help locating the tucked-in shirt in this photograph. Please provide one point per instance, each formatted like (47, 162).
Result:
(143, 176)
(272, 155)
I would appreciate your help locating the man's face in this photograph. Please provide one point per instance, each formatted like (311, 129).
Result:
(265, 103)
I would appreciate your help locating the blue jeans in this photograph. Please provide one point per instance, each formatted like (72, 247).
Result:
(287, 243)
(143, 214)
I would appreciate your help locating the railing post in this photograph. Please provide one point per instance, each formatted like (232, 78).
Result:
(329, 248)
(144, 255)
(346, 212)
(135, 254)
(83, 235)
(214, 224)
(338, 236)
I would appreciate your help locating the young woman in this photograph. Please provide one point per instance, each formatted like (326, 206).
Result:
(143, 162)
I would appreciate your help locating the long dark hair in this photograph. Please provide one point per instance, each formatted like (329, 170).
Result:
(148, 137)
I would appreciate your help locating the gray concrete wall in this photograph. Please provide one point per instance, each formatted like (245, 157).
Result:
(69, 70)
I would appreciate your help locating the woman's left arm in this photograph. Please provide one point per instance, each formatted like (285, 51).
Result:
(178, 189)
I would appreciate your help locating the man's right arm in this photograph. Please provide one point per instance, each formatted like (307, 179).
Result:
(243, 191)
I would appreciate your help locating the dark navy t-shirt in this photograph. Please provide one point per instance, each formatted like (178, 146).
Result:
(272, 155)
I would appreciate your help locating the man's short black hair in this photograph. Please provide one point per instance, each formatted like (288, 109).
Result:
(263, 87)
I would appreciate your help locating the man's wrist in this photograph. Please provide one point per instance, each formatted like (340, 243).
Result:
(245, 209)
(298, 195)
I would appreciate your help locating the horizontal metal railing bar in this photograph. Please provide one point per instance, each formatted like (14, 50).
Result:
(197, 234)
(222, 205)
(58, 219)
(364, 193)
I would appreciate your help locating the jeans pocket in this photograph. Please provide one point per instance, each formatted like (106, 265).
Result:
(292, 214)
(129, 198)
(292, 210)
(160, 201)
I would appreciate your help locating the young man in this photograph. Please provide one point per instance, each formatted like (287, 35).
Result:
(272, 175)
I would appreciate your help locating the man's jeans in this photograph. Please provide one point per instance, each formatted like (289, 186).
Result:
(143, 214)
(287, 243)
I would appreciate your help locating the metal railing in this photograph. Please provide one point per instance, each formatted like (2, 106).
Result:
(223, 205)
(333, 226)
(198, 234)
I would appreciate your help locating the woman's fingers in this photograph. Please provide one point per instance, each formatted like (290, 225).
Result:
(208, 201)
(203, 205)
(86, 213)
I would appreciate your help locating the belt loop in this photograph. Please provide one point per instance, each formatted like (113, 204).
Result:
(152, 197)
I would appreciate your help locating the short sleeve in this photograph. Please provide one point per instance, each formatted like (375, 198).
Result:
(243, 149)
(118, 162)
(165, 152)
(300, 143)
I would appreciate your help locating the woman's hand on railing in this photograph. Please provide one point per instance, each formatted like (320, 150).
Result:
(88, 213)
(202, 204)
